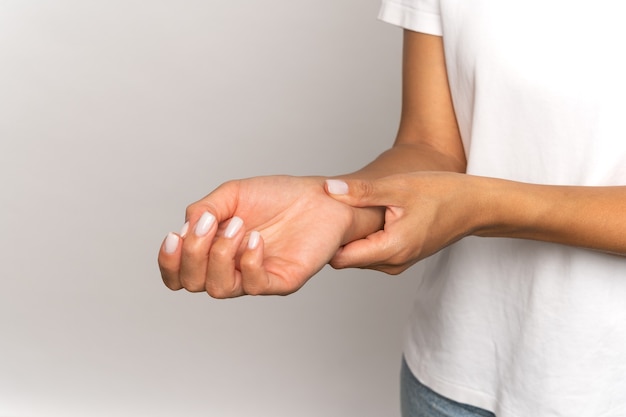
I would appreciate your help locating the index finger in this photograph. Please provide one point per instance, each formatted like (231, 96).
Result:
(169, 261)
(221, 202)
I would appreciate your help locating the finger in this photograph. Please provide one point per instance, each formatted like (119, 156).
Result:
(195, 252)
(221, 202)
(169, 261)
(364, 193)
(255, 279)
(222, 279)
(371, 252)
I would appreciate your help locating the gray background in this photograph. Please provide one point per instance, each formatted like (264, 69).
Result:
(114, 115)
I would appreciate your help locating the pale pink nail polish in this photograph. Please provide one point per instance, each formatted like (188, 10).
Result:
(253, 240)
(337, 187)
(171, 243)
(204, 224)
(233, 227)
(184, 229)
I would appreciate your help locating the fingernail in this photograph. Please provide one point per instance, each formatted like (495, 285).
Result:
(337, 187)
(233, 227)
(184, 229)
(204, 224)
(253, 240)
(171, 243)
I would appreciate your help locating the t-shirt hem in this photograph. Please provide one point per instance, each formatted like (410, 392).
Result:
(410, 18)
(452, 391)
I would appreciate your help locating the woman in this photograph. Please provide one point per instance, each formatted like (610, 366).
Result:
(510, 129)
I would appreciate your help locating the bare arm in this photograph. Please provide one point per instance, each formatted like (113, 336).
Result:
(589, 217)
(428, 138)
(286, 228)
(426, 211)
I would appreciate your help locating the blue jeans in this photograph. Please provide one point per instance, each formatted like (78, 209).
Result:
(417, 400)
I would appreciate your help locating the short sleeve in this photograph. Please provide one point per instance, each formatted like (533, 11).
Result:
(416, 15)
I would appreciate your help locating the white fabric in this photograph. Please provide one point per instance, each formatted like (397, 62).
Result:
(518, 327)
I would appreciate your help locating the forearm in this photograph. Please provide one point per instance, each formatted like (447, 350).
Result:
(589, 217)
(405, 158)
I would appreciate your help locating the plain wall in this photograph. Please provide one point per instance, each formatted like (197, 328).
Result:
(114, 115)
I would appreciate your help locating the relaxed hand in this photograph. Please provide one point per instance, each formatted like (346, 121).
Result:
(264, 235)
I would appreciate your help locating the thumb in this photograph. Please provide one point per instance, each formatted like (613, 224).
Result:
(357, 193)
(362, 253)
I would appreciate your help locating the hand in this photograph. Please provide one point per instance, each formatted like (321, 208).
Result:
(425, 212)
(264, 235)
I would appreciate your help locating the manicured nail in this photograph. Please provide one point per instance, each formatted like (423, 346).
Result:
(171, 243)
(184, 229)
(233, 227)
(253, 240)
(204, 224)
(337, 187)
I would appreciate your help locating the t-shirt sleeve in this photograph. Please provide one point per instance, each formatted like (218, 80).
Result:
(416, 15)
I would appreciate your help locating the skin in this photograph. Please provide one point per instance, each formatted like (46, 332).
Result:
(409, 203)
(301, 228)
(427, 211)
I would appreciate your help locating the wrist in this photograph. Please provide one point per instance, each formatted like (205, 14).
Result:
(509, 209)
(365, 221)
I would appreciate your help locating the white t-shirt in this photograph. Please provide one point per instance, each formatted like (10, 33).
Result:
(525, 328)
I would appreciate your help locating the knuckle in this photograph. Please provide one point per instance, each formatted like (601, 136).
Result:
(190, 257)
(255, 286)
(217, 291)
(209, 202)
(191, 209)
(248, 263)
(366, 188)
(220, 253)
